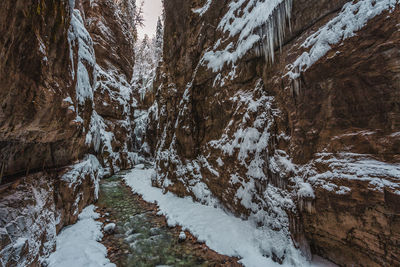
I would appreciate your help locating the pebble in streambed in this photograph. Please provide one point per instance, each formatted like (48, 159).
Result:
(140, 238)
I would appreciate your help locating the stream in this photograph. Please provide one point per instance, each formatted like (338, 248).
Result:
(143, 238)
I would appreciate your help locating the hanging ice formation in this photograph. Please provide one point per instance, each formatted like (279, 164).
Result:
(272, 32)
(258, 24)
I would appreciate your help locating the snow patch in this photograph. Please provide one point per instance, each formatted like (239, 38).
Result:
(351, 166)
(221, 231)
(353, 17)
(182, 236)
(109, 228)
(201, 11)
(79, 244)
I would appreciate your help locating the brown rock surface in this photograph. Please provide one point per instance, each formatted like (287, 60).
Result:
(39, 126)
(348, 102)
(36, 129)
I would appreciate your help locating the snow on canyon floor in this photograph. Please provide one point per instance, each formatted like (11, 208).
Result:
(221, 231)
(79, 245)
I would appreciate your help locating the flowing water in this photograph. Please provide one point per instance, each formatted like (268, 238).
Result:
(141, 238)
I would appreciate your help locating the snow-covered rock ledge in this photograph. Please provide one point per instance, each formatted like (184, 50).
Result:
(352, 18)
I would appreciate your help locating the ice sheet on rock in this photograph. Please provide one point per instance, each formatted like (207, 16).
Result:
(101, 139)
(140, 126)
(98, 134)
(78, 36)
(91, 78)
(71, 5)
(221, 231)
(113, 84)
(353, 17)
(88, 166)
(78, 245)
(247, 140)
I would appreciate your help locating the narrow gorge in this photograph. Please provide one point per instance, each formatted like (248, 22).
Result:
(242, 133)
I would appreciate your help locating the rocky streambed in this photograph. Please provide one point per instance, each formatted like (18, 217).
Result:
(143, 238)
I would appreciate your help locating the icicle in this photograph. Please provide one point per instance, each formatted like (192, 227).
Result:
(272, 33)
(306, 205)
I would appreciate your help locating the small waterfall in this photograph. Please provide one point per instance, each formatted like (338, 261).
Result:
(272, 32)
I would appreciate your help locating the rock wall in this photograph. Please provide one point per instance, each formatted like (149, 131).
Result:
(114, 101)
(35, 208)
(65, 116)
(36, 127)
(345, 129)
(75, 61)
(310, 154)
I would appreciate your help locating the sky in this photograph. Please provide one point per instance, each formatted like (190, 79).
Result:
(152, 10)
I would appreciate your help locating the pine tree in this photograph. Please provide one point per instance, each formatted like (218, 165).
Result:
(132, 13)
(159, 40)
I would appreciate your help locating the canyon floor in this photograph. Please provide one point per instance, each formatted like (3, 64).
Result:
(135, 224)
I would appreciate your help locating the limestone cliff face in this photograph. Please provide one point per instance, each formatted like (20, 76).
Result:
(306, 145)
(65, 116)
(36, 128)
(73, 63)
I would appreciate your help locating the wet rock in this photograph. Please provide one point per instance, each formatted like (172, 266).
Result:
(154, 231)
(131, 238)
(140, 166)
(182, 236)
(150, 242)
(109, 228)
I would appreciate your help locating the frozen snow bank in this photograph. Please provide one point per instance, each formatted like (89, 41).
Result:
(221, 231)
(78, 245)
(352, 18)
